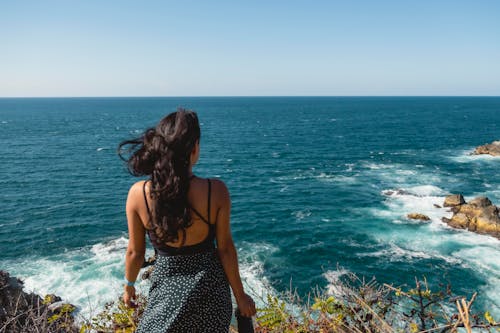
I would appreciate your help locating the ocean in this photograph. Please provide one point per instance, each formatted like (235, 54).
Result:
(313, 182)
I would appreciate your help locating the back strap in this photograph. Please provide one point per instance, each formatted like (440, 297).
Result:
(146, 200)
(207, 219)
(209, 194)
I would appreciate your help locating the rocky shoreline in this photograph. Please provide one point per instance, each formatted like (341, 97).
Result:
(28, 312)
(492, 149)
(479, 215)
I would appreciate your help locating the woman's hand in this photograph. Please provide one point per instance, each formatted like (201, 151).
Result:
(246, 305)
(129, 296)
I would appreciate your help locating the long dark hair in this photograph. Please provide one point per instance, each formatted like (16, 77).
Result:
(163, 153)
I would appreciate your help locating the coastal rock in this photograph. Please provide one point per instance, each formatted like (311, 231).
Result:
(479, 215)
(418, 216)
(453, 200)
(19, 309)
(150, 261)
(480, 202)
(13, 296)
(492, 149)
(51, 298)
(396, 192)
(149, 264)
(147, 273)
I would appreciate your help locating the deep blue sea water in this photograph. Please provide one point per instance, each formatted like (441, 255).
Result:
(309, 179)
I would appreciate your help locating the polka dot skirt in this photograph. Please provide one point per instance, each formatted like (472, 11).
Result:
(189, 293)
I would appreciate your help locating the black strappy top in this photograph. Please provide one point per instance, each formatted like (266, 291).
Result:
(204, 246)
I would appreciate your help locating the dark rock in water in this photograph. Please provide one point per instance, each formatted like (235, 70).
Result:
(479, 215)
(492, 149)
(150, 261)
(453, 200)
(418, 216)
(27, 312)
(397, 192)
(403, 192)
(437, 206)
(147, 273)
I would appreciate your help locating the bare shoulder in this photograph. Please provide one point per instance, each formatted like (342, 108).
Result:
(135, 193)
(220, 191)
(137, 187)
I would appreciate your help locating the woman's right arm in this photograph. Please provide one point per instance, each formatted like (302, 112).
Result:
(227, 251)
(136, 248)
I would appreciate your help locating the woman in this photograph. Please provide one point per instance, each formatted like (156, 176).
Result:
(183, 215)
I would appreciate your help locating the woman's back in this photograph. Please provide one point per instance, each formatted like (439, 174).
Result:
(204, 201)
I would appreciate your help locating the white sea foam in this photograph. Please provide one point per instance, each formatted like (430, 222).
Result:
(301, 214)
(333, 278)
(417, 199)
(426, 190)
(349, 166)
(284, 188)
(335, 178)
(86, 277)
(251, 261)
(378, 166)
(107, 252)
(479, 253)
(399, 174)
(484, 260)
(465, 156)
(255, 284)
(92, 276)
(490, 291)
(326, 177)
(395, 253)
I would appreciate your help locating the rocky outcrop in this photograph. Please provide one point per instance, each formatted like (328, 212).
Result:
(150, 265)
(492, 149)
(27, 312)
(453, 200)
(479, 215)
(418, 216)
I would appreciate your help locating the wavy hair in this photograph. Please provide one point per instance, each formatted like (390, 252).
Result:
(163, 154)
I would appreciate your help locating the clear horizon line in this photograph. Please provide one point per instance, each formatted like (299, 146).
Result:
(238, 96)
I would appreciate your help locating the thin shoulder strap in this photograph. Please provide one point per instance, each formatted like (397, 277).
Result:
(146, 201)
(150, 216)
(208, 204)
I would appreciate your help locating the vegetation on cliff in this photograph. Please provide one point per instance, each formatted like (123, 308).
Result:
(28, 312)
(358, 306)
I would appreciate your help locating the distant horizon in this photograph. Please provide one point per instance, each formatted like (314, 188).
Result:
(254, 96)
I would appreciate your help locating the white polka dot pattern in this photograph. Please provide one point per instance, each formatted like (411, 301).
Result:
(189, 293)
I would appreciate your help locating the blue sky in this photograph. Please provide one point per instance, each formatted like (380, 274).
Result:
(237, 48)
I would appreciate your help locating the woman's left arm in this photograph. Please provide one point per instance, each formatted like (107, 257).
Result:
(136, 249)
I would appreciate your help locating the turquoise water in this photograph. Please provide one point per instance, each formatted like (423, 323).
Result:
(309, 179)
